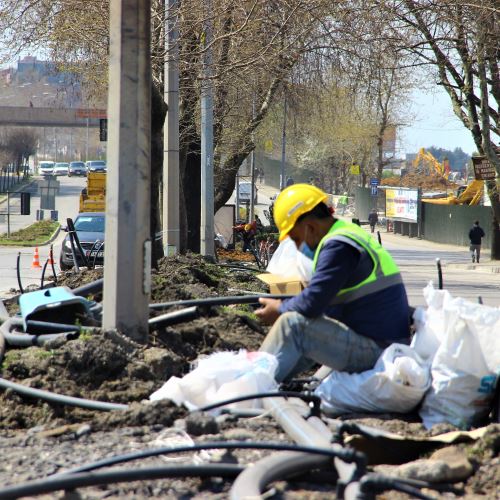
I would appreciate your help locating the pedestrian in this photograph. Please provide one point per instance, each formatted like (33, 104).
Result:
(476, 234)
(373, 219)
(261, 176)
(355, 304)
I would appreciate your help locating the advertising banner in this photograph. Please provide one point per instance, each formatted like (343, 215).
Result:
(401, 204)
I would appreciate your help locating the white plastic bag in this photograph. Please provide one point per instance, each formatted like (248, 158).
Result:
(221, 376)
(465, 365)
(397, 383)
(287, 261)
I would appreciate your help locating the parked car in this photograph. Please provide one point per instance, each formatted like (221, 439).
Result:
(46, 167)
(77, 168)
(96, 166)
(89, 228)
(245, 192)
(61, 168)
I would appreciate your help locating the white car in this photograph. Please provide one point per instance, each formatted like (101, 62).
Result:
(46, 168)
(61, 169)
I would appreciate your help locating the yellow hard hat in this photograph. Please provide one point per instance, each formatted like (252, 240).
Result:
(293, 202)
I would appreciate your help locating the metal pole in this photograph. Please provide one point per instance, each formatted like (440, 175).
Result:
(283, 148)
(207, 140)
(127, 273)
(252, 170)
(8, 214)
(171, 179)
(87, 142)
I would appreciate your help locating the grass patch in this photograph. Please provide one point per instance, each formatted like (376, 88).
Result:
(36, 234)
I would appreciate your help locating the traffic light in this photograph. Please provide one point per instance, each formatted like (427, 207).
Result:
(103, 129)
(25, 203)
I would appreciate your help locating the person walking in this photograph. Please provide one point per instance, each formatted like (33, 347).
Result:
(355, 304)
(476, 234)
(373, 219)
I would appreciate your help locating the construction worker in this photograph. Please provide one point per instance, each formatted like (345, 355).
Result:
(355, 304)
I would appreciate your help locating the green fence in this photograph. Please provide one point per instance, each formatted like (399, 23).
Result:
(451, 223)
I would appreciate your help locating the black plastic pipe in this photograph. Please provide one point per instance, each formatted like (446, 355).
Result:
(91, 288)
(98, 249)
(228, 445)
(18, 339)
(51, 256)
(71, 482)
(27, 340)
(43, 273)
(57, 327)
(174, 318)
(18, 272)
(310, 399)
(53, 397)
(440, 274)
(379, 238)
(219, 301)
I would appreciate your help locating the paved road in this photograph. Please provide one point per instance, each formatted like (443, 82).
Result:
(67, 204)
(416, 258)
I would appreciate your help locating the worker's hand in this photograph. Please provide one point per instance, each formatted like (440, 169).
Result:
(269, 311)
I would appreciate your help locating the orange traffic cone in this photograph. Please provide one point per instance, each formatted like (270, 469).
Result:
(36, 260)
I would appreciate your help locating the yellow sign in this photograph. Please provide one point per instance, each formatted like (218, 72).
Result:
(268, 146)
(354, 169)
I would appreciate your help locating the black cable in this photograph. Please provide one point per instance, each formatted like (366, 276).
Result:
(440, 274)
(219, 301)
(346, 454)
(51, 254)
(43, 273)
(70, 482)
(240, 268)
(21, 289)
(310, 399)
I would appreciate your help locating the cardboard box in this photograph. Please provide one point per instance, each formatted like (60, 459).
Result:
(282, 285)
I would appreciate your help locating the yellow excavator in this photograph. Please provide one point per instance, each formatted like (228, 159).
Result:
(466, 195)
(93, 197)
(425, 163)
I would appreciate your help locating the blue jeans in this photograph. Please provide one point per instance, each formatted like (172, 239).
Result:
(299, 342)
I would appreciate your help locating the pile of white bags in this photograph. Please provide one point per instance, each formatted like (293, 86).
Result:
(222, 376)
(397, 383)
(452, 364)
(461, 341)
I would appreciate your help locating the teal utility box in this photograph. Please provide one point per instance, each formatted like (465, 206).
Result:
(56, 304)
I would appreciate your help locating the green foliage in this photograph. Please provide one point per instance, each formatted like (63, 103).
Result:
(36, 234)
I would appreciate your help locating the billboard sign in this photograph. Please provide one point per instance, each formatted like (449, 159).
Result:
(401, 204)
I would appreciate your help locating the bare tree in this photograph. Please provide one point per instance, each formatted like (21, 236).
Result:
(20, 143)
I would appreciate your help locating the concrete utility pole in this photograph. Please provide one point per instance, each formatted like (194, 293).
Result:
(171, 202)
(283, 148)
(207, 142)
(127, 273)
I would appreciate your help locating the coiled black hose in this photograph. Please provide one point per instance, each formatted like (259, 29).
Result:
(70, 482)
(219, 301)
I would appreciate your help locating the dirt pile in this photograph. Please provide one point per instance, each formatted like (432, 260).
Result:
(426, 182)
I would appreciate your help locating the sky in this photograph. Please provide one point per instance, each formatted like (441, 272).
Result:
(434, 124)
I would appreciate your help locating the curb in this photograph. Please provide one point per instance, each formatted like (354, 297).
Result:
(52, 237)
(474, 267)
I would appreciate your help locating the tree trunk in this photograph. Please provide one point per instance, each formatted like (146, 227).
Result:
(158, 113)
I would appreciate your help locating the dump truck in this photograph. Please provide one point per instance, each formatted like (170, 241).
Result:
(93, 197)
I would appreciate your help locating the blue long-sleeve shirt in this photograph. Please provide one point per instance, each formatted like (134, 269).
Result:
(382, 316)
